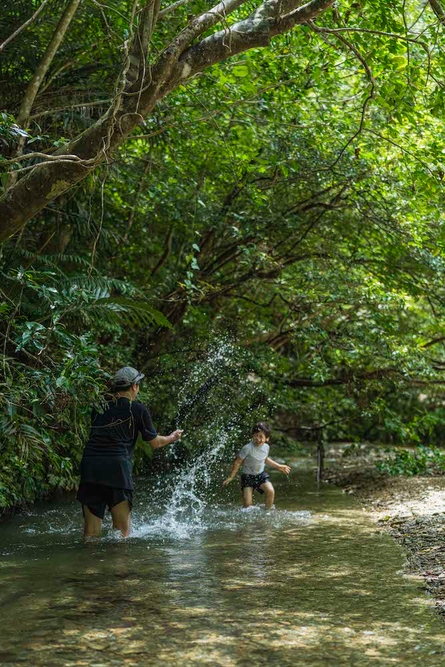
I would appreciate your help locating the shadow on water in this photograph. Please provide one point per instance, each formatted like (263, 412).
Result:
(309, 584)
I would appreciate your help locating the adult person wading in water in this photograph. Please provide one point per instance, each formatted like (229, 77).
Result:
(106, 467)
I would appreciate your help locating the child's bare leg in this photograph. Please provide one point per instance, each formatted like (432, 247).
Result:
(270, 493)
(121, 515)
(93, 525)
(247, 496)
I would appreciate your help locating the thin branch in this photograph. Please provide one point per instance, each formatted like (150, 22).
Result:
(62, 68)
(110, 8)
(166, 254)
(308, 229)
(434, 341)
(30, 156)
(404, 150)
(23, 26)
(393, 35)
(347, 379)
(172, 7)
(369, 75)
(72, 106)
(37, 78)
(61, 160)
(132, 215)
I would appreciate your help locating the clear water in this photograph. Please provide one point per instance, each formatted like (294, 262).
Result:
(205, 582)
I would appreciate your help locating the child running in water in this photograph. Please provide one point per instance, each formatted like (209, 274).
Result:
(252, 457)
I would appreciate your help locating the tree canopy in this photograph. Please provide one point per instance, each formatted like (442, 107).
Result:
(266, 175)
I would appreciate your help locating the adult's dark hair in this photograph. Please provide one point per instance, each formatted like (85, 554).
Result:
(261, 427)
(116, 388)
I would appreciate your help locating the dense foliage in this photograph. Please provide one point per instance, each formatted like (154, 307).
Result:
(285, 206)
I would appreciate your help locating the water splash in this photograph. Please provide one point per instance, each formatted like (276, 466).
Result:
(216, 405)
(191, 492)
(179, 526)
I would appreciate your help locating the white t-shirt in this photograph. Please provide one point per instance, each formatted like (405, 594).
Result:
(254, 458)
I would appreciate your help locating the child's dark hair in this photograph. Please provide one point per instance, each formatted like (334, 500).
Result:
(261, 427)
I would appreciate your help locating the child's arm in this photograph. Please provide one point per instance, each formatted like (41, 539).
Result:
(236, 466)
(273, 464)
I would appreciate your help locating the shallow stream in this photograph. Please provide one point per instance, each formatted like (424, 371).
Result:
(310, 583)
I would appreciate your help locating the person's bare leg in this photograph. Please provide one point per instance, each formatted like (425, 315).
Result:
(121, 515)
(247, 496)
(93, 525)
(270, 494)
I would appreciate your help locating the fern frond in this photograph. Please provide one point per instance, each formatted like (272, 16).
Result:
(17, 256)
(143, 311)
(61, 258)
(119, 311)
(22, 433)
(97, 283)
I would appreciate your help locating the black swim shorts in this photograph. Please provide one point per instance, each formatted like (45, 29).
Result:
(254, 481)
(98, 496)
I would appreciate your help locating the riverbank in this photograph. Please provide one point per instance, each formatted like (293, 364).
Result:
(410, 509)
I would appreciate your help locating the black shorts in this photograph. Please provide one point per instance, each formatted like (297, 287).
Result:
(254, 481)
(98, 496)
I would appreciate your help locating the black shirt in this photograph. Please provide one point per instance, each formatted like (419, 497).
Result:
(107, 458)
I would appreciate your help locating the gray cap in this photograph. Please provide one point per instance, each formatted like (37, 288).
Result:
(125, 377)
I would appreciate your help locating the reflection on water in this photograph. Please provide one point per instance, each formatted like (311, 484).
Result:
(308, 584)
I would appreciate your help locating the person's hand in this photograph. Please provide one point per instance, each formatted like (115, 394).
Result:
(227, 481)
(285, 469)
(176, 435)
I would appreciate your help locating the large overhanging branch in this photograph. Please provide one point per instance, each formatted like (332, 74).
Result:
(255, 31)
(438, 10)
(202, 23)
(45, 182)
